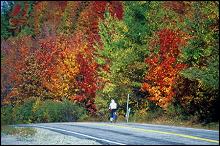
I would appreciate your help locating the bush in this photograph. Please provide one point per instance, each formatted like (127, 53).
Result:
(50, 111)
(39, 112)
(176, 112)
(154, 114)
(72, 111)
(6, 115)
(35, 111)
(197, 101)
(147, 115)
(23, 113)
(54, 111)
(138, 116)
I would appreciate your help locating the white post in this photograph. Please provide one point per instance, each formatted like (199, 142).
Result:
(127, 113)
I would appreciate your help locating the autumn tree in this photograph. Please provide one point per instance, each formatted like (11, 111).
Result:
(163, 67)
(15, 51)
(57, 59)
(201, 55)
(88, 24)
(21, 21)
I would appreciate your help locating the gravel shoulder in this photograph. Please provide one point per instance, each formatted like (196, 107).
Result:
(45, 137)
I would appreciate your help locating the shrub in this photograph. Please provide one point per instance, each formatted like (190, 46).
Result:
(71, 111)
(23, 113)
(54, 111)
(176, 112)
(202, 103)
(144, 115)
(6, 115)
(35, 111)
(153, 114)
(51, 111)
(138, 116)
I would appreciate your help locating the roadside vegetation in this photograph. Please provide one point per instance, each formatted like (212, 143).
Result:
(35, 111)
(18, 131)
(65, 60)
(173, 119)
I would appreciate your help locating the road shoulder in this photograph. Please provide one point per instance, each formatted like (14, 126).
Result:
(45, 137)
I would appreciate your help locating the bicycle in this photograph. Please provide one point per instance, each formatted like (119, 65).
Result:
(114, 118)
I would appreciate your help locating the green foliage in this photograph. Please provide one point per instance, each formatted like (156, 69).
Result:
(120, 52)
(35, 111)
(102, 107)
(25, 31)
(202, 56)
(144, 115)
(154, 114)
(6, 115)
(5, 27)
(139, 116)
(136, 21)
(22, 112)
(209, 77)
(66, 111)
(203, 29)
(72, 111)
(125, 52)
(176, 112)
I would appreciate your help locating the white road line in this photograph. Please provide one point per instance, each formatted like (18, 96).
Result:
(80, 134)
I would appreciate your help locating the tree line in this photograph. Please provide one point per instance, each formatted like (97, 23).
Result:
(165, 54)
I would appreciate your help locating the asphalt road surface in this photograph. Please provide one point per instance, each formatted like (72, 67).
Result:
(133, 133)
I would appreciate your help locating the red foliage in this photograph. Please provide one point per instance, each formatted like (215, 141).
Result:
(16, 10)
(89, 18)
(14, 52)
(116, 9)
(177, 6)
(163, 68)
(52, 54)
(26, 6)
(16, 19)
(62, 5)
(88, 25)
(87, 83)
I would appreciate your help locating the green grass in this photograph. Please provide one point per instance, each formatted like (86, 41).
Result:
(18, 131)
(183, 123)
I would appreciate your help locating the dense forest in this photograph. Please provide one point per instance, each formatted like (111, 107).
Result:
(61, 60)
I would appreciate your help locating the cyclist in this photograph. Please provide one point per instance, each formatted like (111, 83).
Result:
(113, 108)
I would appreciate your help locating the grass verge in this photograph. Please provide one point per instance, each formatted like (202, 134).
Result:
(18, 131)
(182, 123)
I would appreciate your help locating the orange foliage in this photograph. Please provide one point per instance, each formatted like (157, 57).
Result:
(50, 13)
(65, 63)
(163, 68)
(15, 52)
(57, 57)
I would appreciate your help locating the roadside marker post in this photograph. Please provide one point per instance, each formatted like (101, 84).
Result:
(128, 109)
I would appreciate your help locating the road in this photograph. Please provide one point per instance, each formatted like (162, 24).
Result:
(133, 133)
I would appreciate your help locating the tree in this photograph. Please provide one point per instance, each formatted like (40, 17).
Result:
(57, 59)
(163, 67)
(15, 51)
(121, 63)
(5, 16)
(201, 55)
(202, 51)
